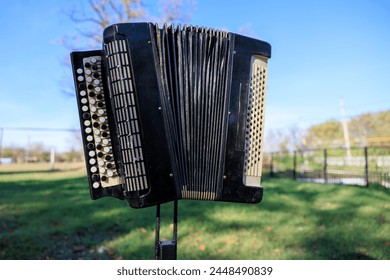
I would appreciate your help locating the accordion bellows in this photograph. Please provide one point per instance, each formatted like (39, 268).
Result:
(173, 113)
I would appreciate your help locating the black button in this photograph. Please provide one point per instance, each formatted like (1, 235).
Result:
(95, 177)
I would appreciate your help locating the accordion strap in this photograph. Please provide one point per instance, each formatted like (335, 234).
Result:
(166, 249)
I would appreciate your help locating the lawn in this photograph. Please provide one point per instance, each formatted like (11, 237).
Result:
(49, 215)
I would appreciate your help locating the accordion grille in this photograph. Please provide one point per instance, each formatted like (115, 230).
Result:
(193, 70)
(255, 123)
(126, 116)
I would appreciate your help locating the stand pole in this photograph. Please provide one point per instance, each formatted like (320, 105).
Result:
(167, 249)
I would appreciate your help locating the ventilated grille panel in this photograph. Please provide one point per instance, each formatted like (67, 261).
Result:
(126, 116)
(193, 68)
(255, 123)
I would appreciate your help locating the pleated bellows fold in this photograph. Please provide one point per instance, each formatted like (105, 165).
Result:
(193, 72)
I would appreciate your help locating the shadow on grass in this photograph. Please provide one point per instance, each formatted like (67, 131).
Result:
(349, 222)
(58, 220)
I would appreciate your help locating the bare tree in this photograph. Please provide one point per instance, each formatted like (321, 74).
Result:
(176, 11)
(93, 16)
(98, 14)
(289, 139)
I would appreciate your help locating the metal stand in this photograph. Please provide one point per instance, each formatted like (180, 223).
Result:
(166, 249)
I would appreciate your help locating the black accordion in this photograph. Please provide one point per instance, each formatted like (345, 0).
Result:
(172, 113)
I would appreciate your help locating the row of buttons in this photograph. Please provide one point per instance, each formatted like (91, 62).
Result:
(101, 159)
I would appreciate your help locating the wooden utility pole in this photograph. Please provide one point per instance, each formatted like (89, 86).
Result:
(345, 130)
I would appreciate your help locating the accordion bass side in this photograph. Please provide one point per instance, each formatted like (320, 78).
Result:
(172, 113)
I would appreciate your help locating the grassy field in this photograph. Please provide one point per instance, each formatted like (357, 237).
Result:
(49, 215)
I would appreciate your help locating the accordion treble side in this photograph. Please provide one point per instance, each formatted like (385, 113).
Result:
(172, 113)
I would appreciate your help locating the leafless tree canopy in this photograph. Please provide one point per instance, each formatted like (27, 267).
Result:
(101, 13)
(92, 16)
(98, 14)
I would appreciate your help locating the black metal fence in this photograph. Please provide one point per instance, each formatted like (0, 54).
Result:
(355, 166)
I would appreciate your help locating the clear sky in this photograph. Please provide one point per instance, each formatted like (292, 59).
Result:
(321, 51)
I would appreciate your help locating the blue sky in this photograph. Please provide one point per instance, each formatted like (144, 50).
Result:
(321, 51)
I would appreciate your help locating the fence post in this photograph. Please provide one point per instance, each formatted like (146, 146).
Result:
(325, 166)
(271, 167)
(366, 165)
(295, 166)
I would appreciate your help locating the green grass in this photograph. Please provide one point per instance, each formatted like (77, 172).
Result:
(49, 215)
